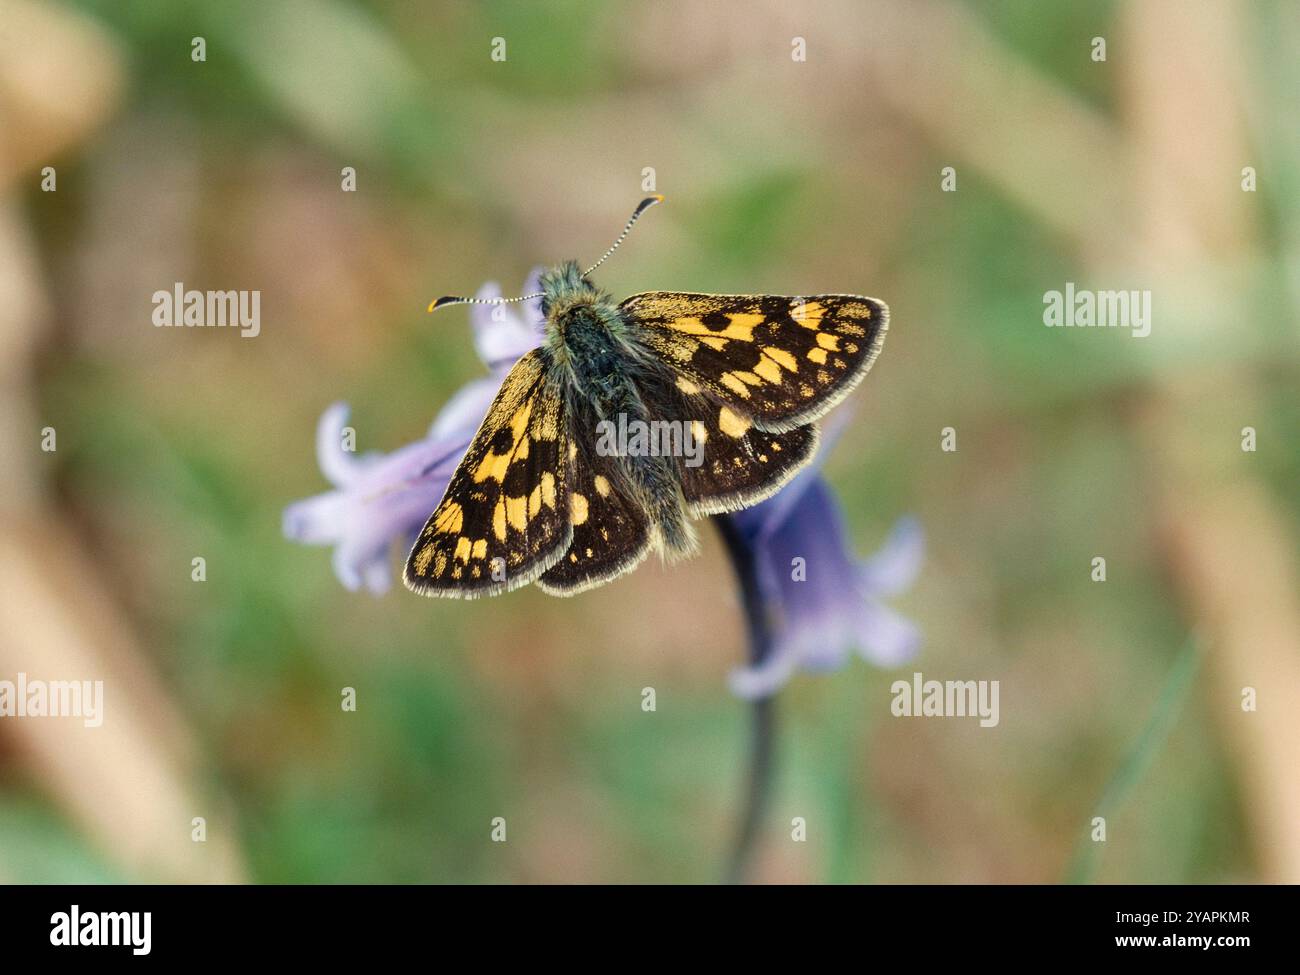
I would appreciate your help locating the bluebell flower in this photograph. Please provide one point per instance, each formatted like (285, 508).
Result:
(379, 499)
(828, 605)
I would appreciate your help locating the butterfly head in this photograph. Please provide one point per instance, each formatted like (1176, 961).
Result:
(564, 287)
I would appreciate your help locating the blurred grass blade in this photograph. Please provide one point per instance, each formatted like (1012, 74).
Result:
(1141, 755)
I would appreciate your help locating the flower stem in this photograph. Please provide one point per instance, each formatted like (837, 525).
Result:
(762, 731)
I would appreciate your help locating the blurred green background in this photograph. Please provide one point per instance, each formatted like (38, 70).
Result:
(782, 176)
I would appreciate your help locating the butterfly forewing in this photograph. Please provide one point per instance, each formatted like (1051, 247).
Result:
(780, 361)
(505, 518)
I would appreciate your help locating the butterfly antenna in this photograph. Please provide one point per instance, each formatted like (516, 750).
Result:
(641, 208)
(446, 300)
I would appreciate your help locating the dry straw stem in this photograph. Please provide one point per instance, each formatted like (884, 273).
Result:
(1154, 198)
(129, 784)
(1230, 549)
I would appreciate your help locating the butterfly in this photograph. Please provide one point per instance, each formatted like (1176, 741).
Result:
(720, 393)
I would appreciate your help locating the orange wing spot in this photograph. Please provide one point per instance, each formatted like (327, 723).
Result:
(535, 501)
(577, 508)
(499, 521)
(548, 488)
(422, 560)
(714, 342)
(602, 485)
(808, 314)
(684, 349)
(479, 551)
(740, 326)
(686, 386)
(817, 355)
(462, 550)
(546, 429)
(769, 370)
(829, 342)
(735, 384)
(494, 465)
(517, 513)
(439, 565)
(519, 422)
(783, 357)
(699, 431)
(450, 519)
(732, 425)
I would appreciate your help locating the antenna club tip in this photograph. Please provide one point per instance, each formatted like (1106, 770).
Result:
(443, 302)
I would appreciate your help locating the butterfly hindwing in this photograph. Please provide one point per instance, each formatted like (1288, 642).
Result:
(735, 464)
(504, 519)
(780, 361)
(611, 532)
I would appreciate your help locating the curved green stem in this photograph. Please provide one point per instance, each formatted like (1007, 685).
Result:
(763, 725)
